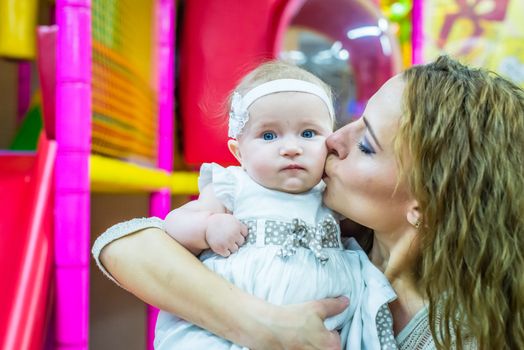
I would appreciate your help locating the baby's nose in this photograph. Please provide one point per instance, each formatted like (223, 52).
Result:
(291, 148)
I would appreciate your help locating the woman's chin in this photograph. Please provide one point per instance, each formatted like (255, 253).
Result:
(328, 199)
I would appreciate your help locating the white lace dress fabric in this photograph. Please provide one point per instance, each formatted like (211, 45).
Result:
(416, 335)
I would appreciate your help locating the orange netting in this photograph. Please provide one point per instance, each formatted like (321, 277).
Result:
(124, 96)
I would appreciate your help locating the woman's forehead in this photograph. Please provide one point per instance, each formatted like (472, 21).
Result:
(392, 90)
(384, 109)
(388, 99)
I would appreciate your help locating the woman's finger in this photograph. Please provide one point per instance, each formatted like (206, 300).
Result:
(331, 306)
(336, 340)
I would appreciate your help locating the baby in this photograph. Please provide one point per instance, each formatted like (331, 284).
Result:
(262, 225)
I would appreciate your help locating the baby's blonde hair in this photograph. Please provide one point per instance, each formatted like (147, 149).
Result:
(273, 70)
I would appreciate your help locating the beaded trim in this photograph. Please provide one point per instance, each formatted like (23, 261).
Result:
(295, 234)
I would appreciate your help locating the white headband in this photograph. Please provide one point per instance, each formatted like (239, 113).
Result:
(238, 115)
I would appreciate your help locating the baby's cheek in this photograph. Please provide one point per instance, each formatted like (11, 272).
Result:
(322, 155)
(318, 171)
(262, 173)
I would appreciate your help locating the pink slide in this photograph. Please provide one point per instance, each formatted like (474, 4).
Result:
(26, 256)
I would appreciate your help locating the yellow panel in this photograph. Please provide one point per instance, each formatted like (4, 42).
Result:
(18, 28)
(110, 175)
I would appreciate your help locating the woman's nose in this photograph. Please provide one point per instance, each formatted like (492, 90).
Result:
(337, 142)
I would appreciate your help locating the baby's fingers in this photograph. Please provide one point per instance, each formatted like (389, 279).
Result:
(225, 252)
(243, 229)
(239, 240)
(233, 248)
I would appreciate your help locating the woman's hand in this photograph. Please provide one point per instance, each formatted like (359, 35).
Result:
(300, 326)
(154, 267)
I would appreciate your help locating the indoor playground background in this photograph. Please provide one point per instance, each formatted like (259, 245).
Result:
(108, 107)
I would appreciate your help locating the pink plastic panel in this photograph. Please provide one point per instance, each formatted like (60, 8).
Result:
(417, 36)
(75, 123)
(24, 88)
(47, 73)
(68, 162)
(72, 247)
(25, 246)
(160, 202)
(74, 35)
(73, 114)
(73, 328)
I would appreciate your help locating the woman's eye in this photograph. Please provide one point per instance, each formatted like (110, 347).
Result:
(308, 134)
(269, 135)
(365, 148)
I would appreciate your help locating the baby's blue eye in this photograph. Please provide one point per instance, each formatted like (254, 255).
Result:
(308, 134)
(269, 135)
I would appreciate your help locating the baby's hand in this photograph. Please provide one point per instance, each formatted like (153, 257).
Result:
(225, 234)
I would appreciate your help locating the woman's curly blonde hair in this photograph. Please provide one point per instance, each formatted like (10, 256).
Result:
(463, 129)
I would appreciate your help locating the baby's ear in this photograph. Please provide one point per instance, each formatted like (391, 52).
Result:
(234, 149)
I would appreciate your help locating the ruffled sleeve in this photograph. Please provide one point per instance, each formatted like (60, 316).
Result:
(121, 230)
(224, 182)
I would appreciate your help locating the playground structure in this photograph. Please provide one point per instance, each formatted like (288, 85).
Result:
(106, 95)
(112, 80)
(108, 100)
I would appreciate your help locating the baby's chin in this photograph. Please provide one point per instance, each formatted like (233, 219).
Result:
(295, 186)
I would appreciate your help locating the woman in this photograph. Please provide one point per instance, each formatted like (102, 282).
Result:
(434, 168)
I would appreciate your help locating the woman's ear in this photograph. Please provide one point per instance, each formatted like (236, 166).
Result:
(413, 214)
(234, 149)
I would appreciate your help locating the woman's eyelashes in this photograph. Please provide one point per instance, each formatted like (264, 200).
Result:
(365, 147)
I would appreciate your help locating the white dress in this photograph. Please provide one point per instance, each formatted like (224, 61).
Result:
(293, 253)
(263, 267)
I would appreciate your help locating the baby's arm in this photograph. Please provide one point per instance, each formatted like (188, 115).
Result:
(161, 272)
(205, 223)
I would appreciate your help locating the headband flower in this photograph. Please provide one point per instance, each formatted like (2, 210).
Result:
(238, 115)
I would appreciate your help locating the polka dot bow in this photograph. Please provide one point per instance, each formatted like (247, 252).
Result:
(311, 237)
